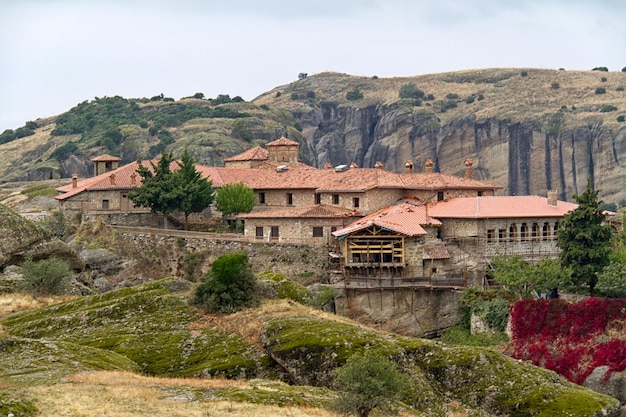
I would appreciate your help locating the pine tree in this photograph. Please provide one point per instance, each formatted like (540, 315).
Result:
(585, 239)
(196, 193)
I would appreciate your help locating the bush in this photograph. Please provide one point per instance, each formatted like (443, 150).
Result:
(229, 286)
(603, 69)
(624, 69)
(600, 90)
(469, 100)
(607, 108)
(620, 88)
(368, 382)
(523, 74)
(603, 79)
(555, 86)
(45, 277)
(620, 118)
(410, 91)
(354, 94)
(452, 96)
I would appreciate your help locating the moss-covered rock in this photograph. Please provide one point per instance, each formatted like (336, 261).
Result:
(146, 324)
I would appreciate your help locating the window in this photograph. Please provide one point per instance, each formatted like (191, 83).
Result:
(480, 194)
(289, 199)
(546, 231)
(335, 198)
(501, 235)
(318, 231)
(318, 198)
(356, 202)
(535, 232)
(490, 235)
(333, 228)
(259, 232)
(513, 232)
(556, 229)
(274, 232)
(524, 232)
(105, 204)
(433, 270)
(261, 198)
(440, 196)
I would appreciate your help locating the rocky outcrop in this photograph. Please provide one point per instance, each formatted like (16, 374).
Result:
(526, 157)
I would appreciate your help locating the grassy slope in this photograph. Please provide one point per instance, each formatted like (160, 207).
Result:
(110, 343)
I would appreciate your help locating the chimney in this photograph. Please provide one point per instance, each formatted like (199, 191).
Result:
(428, 166)
(552, 198)
(112, 179)
(468, 168)
(74, 181)
(408, 166)
(378, 165)
(133, 179)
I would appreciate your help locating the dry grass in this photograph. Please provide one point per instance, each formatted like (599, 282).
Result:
(248, 323)
(120, 394)
(12, 303)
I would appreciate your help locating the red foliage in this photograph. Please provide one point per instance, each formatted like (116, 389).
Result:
(568, 338)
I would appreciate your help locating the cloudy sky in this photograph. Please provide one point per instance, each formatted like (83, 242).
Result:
(55, 54)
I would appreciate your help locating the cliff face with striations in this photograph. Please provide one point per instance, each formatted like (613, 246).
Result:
(521, 156)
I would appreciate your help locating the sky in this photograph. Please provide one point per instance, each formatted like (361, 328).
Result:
(55, 54)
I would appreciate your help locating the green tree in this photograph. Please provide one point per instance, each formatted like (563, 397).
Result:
(612, 280)
(354, 94)
(159, 189)
(45, 277)
(368, 382)
(229, 286)
(513, 273)
(196, 193)
(233, 199)
(410, 90)
(585, 239)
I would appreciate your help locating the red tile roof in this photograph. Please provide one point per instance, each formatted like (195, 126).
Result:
(282, 142)
(499, 207)
(406, 217)
(436, 252)
(253, 154)
(316, 212)
(106, 158)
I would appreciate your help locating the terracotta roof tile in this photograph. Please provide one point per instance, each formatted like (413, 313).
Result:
(318, 212)
(106, 158)
(253, 154)
(282, 142)
(407, 217)
(436, 252)
(499, 207)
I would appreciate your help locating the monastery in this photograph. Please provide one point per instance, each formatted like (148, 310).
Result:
(384, 229)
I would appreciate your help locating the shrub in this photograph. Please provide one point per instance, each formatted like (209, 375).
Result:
(620, 88)
(620, 118)
(410, 90)
(603, 79)
(603, 69)
(368, 382)
(523, 74)
(607, 108)
(310, 94)
(600, 90)
(469, 99)
(624, 69)
(481, 97)
(430, 97)
(452, 96)
(446, 105)
(302, 75)
(45, 277)
(354, 94)
(555, 86)
(229, 286)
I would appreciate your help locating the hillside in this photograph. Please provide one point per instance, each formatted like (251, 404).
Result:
(527, 129)
(143, 351)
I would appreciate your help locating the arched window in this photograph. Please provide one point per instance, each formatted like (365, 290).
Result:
(512, 232)
(535, 231)
(556, 229)
(524, 232)
(545, 235)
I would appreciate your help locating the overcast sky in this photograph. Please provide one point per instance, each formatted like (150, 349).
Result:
(55, 54)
